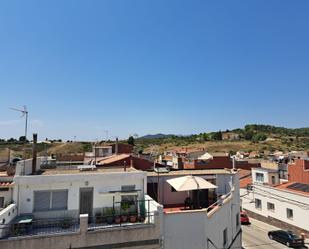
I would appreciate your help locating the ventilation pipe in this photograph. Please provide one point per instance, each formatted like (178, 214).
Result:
(233, 159)
(116, 146)
(34, 152)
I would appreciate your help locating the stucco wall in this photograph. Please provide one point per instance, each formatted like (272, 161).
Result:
(195, 228)
(282, 200)
(6, 216)
(101, 183)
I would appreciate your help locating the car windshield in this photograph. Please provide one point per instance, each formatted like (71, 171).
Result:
(293, 235)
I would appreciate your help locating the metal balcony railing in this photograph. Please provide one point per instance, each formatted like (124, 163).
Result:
(39, 227)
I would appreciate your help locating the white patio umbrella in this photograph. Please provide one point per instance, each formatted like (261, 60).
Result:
(206, 156)
(186, 183)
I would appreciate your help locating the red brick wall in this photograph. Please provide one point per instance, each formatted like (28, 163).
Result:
(123, 148)
(143, 164)
(138, 163)
(68, 157)
(299, 171)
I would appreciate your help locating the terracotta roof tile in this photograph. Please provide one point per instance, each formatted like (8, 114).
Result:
(6, 184)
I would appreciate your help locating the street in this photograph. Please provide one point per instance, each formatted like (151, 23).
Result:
(255, 236)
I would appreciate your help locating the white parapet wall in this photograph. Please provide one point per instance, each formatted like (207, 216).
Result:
(273, 203)
(24, 167)
(200, 229)
(6, 216)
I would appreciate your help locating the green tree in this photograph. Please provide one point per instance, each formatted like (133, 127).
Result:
(258, 137)
(131, 140)
(217, 135)
(248, 134)
(22, 139)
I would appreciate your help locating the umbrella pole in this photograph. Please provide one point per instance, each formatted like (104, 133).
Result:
(198, 198)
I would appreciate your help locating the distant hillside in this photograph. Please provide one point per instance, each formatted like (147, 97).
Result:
(156, 136)
(269, 129)
(251, 137)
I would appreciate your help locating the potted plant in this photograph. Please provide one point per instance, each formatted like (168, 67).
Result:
(117, 216)
(133, 212)
(109, 215)
(125, 211)
(142, 210)
(98, 217)
(66, 223)
(133, 218)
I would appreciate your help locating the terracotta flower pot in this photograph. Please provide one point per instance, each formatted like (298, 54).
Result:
(117, 219)
(124, 218)
(133, 218)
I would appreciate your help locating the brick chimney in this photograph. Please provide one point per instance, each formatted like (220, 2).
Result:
(34, 152)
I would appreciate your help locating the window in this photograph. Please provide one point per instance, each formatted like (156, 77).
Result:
(224, 237)
(237, 220)
(289, 213)
(1, 202)
(131, 199)
(258, 204)
(50, 200)
(270, 206)
(259, 177)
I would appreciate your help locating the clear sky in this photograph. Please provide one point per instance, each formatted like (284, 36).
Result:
(83, 67)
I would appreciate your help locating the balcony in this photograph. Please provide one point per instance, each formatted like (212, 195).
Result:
(26, 225)
(140, 213)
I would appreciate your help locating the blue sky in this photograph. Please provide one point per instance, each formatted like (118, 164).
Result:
(83, 67)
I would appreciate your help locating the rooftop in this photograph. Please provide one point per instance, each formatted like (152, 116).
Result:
(113, 158)
(266, 170)
(192, 172)
(99, 169)
(287, 186)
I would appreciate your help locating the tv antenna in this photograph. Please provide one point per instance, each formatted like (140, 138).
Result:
(24, 113)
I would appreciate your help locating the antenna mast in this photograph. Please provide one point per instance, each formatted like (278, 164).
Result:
(23, 112)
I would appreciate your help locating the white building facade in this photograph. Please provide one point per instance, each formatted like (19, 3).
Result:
(276, 204)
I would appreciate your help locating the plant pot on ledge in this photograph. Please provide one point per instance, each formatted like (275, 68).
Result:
(141, 218)
(124, 218)
(133, 218)
(117, 219)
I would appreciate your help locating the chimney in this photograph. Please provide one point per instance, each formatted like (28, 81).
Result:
(34, 153)
(116, 146)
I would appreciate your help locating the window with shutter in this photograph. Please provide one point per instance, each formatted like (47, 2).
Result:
(41, 200)
(50, 200)
(59, 200)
